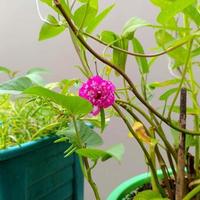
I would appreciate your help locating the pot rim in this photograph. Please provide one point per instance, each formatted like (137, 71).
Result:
(14, 151)
(131, 184)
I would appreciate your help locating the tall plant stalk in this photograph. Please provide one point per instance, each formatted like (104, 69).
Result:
(180, 179)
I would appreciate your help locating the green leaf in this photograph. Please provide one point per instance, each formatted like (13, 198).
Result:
(170, 11)
(116, 151)
(165, 40)
(150, 195)
(84, 15)
(52, 5)
(5, 70)
(132, 25)
(167, 94)
(95, 154)
(48, 31)
(88, 136)
(161, 3)
(141, 61)
(195, 52)
(92, 3)
(108, 37)
(98, 19)
(120, 58)
(74, 104)
(34, 75)
(37, 70)
(193, 13)
(164, 83)
(15, 86)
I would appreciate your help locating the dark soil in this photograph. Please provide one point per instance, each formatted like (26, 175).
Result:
(131, 195)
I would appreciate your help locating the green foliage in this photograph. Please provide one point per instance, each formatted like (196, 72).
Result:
(172, 9)
(98, 19)
(5, 70)
(16, 85)
(132, 25)
(164, 40)
(116, 152)
(141, 61)
(119, 58)
(88, 136)
(64, 4)
(75, 105)
(50, 30)
(84, 15)
(25, 119)
(150, 195)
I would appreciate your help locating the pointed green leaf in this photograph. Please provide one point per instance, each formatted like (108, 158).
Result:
(132, 25)
(98, 19)
(15, 86)
(74, 104)
(5, 70)
(88, 135)
(96, 154)
(150, 195)
(108, 37)
(116, 151)
(48, 31)
(170, 11)
(120, 58)
(166, 40)
(164, 83)
(84, 15)
(52, 5)
(167, 94)
(141, 61)
(193, 13)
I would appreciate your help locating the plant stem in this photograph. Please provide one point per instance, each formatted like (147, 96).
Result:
(117, 69)
(150, 163)
(180, 180)
(134, 53)
(153, 158)
(191, 194)
(90, 179)
(77, 132)
(86, 163)
(162, 136)
(182, 79)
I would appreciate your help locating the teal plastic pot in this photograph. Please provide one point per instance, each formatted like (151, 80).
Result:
(38, 171)
(130, 185)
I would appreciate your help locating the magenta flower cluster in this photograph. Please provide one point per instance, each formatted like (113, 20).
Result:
(99, 92)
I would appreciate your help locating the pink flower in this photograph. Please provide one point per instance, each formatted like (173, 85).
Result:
(99, 92)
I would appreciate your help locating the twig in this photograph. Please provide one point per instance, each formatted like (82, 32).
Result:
(117, 69)
(180, 181)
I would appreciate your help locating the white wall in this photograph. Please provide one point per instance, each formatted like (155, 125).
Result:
(20, 50)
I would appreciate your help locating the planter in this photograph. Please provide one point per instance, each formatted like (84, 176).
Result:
(38, 171)
(132, 184)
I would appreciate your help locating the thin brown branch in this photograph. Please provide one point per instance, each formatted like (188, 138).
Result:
(117, 69)
(180, 181)
(135, 53)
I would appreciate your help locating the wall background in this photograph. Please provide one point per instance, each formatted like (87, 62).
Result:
(20, 50)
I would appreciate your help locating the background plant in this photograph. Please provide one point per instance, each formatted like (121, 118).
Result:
(177, 37)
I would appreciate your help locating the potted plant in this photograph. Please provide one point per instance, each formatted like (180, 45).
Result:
(177, 37)
(32, 166)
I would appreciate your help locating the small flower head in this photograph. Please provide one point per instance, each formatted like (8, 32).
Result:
(99, 92)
